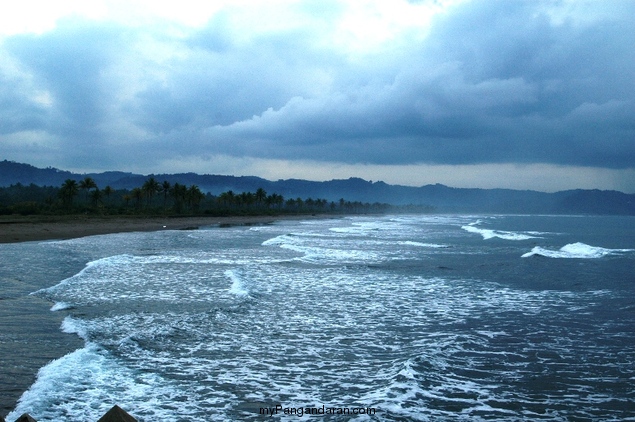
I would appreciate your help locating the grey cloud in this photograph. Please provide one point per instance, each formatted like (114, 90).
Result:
(69, 64)
(494, 82)
(220, 83)
(18, 111)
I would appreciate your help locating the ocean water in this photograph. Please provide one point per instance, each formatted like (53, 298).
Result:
(388, 318)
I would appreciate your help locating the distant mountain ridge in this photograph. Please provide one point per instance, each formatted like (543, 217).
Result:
(441, 197)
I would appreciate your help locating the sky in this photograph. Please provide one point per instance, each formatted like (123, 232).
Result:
(468, 93)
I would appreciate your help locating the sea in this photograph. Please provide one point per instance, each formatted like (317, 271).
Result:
(365, 318)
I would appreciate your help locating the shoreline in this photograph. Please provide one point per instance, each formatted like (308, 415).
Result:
(15, 229)
(20, 308)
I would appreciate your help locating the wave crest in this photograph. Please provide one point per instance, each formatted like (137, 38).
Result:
(575, 250)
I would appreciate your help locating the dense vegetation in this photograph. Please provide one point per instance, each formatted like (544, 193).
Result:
(163, 198)
(18, 195)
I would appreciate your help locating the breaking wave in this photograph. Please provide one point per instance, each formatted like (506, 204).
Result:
(575, 250)
(237, 287)
(506, 235)
(409, 315)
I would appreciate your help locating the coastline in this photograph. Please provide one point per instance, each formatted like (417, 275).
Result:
(20, 309)
(14, 229)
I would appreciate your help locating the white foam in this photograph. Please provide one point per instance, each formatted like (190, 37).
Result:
(492, 334)
(348, 230)
(490, 234)
(60, 306)
(575, 250)
(85, 384)
(71, 325)
(367, 228)
(108, 261)
(406, 341)
(331, 255)
(313, 252)
(237, 286)
(423, 245)
(278, 240)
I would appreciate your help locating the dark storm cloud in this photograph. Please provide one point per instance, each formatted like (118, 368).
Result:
(492, 82)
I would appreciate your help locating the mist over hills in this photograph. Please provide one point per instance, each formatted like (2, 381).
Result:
(441, 198)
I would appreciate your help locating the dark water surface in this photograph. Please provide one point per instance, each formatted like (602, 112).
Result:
(30, 335)
(411, 317)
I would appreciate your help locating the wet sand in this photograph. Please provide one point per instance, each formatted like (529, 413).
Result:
(36, 228)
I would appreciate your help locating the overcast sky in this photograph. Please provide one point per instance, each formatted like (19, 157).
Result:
(514, 94)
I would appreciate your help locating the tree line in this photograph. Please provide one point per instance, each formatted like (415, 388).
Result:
(166, 198)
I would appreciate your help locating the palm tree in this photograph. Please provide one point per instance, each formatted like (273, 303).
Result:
(95, 196)
(194, 196)
(107, 191)
(165, 189)
(68, 191)
(137, 194)
(227, 198)
(261, 196)
(150, 188)
(178, 192)
(277, 199)
(274, 199)
(247, 198)
(87, 184)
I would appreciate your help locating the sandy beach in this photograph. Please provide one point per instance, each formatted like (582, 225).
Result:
(35, 228)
